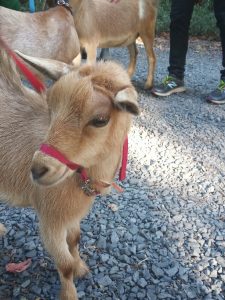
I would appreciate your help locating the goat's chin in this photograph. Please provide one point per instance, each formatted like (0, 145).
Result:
(52, 179)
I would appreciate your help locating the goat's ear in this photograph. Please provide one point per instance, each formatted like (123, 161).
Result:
(51, 68)
(126, 100)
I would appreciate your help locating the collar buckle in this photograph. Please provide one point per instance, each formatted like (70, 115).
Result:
(88, 189)
(64, 3)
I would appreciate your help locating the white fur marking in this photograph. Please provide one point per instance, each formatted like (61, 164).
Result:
(141, 4)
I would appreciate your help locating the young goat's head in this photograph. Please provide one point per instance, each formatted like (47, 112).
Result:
(90, 115)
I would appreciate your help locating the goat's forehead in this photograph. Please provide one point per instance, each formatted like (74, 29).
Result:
(80, 95)
(98, 102)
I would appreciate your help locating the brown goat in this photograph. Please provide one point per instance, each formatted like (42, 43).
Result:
(86, 115)
(103, 24)
(47, 34)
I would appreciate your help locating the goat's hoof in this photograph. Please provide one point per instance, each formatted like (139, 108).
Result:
(2, 229)
(81, 269)
(148, 86)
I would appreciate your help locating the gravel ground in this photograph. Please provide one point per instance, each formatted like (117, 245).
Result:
(167, 238)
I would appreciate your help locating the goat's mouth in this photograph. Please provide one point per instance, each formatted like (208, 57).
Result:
(48, 175)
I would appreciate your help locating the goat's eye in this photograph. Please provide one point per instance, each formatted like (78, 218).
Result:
(99, 121)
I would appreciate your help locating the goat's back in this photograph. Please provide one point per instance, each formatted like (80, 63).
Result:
(47, 34)
(23, 124)
(113, 24)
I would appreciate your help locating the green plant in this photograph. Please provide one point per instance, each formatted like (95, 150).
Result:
(38, 5)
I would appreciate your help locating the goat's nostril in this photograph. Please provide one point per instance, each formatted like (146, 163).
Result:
(38, 172)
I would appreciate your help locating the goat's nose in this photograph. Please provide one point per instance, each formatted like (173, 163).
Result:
(38, 172)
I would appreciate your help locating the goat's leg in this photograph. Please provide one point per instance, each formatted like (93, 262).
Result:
(133, 58)
(73, 238)
(56, 244)
(148, 40)
(91, 50)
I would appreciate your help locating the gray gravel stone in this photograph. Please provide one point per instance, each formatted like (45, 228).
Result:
(157, 271)
(105, 281)
(101, 242)
(104, 257)
(26, 283)
(142, 282)
(221, 261)
(16, 291)
(114, 238)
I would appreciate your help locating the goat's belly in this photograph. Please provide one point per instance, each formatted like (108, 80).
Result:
(118, 42)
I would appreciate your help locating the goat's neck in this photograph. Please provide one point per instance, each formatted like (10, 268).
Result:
(80, 6)
(106, 170)
(81, 10)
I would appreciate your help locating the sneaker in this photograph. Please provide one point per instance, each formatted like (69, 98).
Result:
(218, 95)
(169, 86)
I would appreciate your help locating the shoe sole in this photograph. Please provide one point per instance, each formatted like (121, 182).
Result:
(216, 101)
(174, 91)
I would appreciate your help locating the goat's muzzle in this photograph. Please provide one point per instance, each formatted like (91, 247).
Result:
(47, 171)
(38, 172)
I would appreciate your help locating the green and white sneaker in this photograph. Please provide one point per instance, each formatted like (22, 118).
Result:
(170, 85)
(218, 95)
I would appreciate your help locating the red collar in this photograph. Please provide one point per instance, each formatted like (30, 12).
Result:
(87, 184)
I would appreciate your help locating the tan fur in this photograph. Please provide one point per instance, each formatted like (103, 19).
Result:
(2, 229)
(100, 23)
(62, 118)
(47, 34)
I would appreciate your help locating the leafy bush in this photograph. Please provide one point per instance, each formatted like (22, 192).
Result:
(38, 5)
(203, 22)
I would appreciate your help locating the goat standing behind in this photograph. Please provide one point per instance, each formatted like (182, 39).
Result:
(86, 115)
(47, 34)
(103, 24)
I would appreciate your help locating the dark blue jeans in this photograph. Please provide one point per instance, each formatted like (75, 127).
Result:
(181, 13)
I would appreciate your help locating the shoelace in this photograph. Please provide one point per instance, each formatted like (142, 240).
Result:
(221, 86)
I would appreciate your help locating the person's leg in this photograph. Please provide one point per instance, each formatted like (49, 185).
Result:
(181, 13)
(218, 95)
(219, 9)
